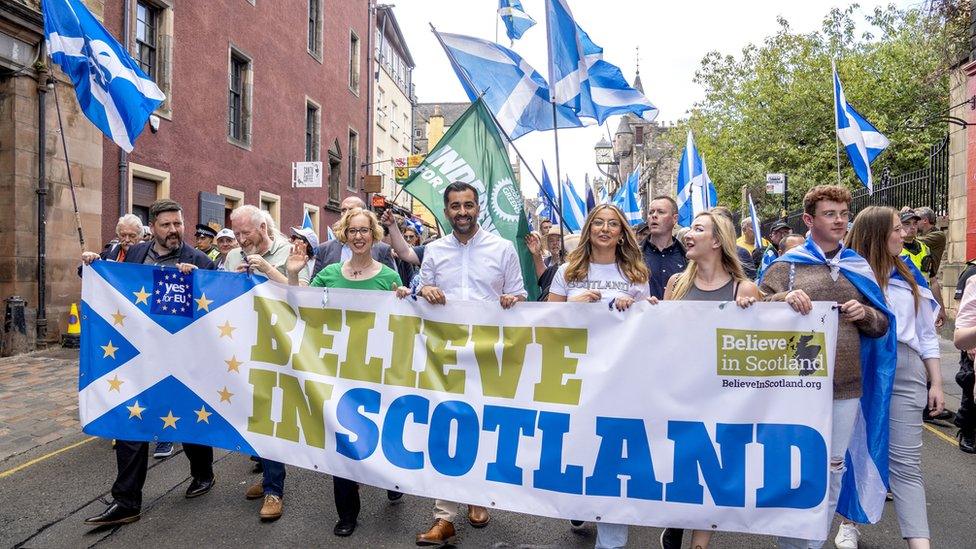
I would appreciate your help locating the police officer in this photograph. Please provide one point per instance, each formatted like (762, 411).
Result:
(205, 235)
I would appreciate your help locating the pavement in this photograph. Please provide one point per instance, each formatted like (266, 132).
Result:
(52, 476)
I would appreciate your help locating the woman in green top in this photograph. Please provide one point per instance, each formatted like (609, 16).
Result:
(358, 229)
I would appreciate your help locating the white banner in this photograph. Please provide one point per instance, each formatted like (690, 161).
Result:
(687, 414)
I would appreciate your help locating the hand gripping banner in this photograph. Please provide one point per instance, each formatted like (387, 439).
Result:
(695, 415)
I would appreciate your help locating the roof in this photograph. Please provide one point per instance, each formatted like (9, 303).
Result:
(450, 111)
(637, 82)
(398, 42)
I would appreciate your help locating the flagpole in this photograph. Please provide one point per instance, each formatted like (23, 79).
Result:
(833, 86)
(450, 57)
(559, 190)
(67, 165)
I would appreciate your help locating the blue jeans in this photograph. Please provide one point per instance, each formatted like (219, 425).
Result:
(274, 477)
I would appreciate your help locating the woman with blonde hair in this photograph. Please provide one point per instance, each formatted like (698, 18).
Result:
(714, 273)
(878, 236)
(606, 266)
(358, 229)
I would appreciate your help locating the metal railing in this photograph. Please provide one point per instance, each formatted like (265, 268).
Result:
(928, 186)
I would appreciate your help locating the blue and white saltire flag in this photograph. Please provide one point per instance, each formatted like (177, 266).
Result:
(307, 221)
(112, 90)
(923, 284)
(573, 207)
(547, 199)
(515, 18)
(862, 141)
(329, 235)
(415, 224)
(627, 199)
(865, 483)
(590, 199)
(580, 78)
(758, 240)
(604, 196)
(515, 92)
(128, 310)
(696, 193)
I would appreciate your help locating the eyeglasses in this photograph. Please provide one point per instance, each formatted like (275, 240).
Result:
(362, 230)
(832, 215)
(599, 223)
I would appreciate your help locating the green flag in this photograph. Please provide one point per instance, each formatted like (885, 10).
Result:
(472, 151)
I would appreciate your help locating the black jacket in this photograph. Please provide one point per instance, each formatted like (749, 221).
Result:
(188, 254)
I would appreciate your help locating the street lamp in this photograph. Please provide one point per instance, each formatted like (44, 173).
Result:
(605, 159)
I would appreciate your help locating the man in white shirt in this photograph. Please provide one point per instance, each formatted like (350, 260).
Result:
(470, 264)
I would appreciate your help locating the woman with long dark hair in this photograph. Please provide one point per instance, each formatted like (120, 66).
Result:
(877, 235)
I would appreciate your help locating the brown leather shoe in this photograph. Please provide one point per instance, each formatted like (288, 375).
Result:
(441, 533)
(255, 491)
(478, 516)
(271, 510)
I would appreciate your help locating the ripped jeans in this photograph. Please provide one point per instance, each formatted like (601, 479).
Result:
(845, 413)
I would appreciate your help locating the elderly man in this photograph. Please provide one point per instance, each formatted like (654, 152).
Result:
(748, 238)
(334, 251)
(128, 231)
(132, 457)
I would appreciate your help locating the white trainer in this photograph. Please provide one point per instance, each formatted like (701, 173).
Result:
(847, 536)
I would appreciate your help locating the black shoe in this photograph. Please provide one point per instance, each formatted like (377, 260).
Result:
(944, 415)
(344, 528)
(200, 487)
(967, 441)
(393, 495)
(114, 514)
(671, 538)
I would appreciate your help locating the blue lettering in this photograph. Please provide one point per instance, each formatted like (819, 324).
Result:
(511, 424)
(776, 490)
(618, 434)
(468, 433)
(393, 426)
(693, 450)
(347, 413)
(550, 474)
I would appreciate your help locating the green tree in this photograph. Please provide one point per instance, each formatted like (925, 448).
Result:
(770, 109)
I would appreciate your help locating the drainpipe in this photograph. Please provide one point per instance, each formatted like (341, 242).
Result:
(42, 87)
(123, 156)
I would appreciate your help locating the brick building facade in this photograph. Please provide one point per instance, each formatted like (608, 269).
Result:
(252, 86)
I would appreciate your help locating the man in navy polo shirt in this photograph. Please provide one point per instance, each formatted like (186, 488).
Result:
(663, 254)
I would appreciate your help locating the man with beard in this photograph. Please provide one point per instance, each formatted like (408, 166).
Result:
(132, 457)
(470, 264)
(778, 231)
(663, 254)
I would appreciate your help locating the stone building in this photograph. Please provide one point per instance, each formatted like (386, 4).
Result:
(395, 99)
(251, 88)
(639, 144)
(38, 261)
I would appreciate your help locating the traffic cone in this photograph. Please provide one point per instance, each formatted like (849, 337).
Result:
(72, 339)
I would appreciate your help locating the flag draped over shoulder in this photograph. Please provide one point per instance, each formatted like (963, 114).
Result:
(515, 19)
(472, 152)
(113, 92)
(515, 92)
(860, 139)
(865, 483)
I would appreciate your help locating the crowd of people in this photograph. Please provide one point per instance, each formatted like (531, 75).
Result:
(880, 268)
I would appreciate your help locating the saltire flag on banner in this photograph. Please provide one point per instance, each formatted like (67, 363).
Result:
(307, 221)
(472, 151)
(627, 199)
(574, 208)
(515, 92)
(757, 238)
(547, 199)
(515, 18)
(860, 139)
(579, 77)
(696, 193)
(112, 90)
(540, 409)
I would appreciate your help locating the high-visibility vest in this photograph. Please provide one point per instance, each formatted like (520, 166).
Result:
(919, 257)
